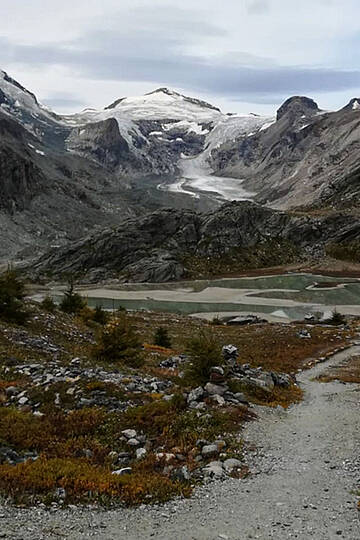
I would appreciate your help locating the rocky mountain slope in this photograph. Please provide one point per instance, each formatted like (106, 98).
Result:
(171, 245)
(60, 176)
(307, 157)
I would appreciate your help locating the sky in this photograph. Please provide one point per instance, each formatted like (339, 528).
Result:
(241, 55)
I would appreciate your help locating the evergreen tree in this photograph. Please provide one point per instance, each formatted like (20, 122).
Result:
(161, 338)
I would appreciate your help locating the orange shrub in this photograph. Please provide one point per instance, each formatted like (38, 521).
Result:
(82, 480)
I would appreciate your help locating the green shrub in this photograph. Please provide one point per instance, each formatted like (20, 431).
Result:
(205, 352)
(48, 304)
(162, 338)
(12, 294)
(118, 342)
(93, 317)
(100, 315)
(72, 301)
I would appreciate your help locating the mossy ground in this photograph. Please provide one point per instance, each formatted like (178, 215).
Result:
(347, 372)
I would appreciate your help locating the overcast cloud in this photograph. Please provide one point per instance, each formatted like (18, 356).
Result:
(240, 54)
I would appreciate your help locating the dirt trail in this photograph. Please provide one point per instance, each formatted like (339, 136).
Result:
(305, 469)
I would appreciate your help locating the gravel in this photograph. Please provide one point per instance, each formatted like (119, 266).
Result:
(305, 466)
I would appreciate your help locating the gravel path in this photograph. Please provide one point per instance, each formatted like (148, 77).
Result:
(305, 468)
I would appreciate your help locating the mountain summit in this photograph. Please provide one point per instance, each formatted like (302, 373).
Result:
(298, 106)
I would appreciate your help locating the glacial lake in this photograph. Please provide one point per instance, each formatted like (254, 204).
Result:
(279, 298)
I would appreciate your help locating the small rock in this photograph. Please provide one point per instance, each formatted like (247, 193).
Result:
(214, 470)
(210, 450)
(168, 457)
(201, 406)
(182, 474)
(129, 433)
(133, 442)
(241, 398)
(230, 351)
(217, 369)
(11, 390)
(140, 453)
(122, 472)
(213, 389)
(195, 394)
(219, 400)
(231, 464)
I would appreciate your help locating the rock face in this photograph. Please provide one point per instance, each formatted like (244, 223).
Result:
(306, 157)
(125, 251)
(297, 107)
(22, 179)
(102, 142)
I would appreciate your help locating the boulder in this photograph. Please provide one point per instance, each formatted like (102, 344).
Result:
(267, 379)
(241, 398)
(140, 453)
(230, 353)
(129, 433)
(213, 389)
(219, 400)
(214, 470)
(210, 450)
(133, 442)
(195, 394)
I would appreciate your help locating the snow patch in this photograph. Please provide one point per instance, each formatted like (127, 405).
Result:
(267, 125)
(279, 313)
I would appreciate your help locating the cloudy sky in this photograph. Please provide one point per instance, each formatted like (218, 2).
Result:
(242, 55)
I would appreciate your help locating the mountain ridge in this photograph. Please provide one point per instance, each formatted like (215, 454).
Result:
(104, 165)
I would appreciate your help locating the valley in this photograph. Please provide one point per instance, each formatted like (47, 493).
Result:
(173, 279)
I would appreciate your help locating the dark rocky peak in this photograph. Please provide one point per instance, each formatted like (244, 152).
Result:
(296, 107)
(114, 104)
(106, 131)
(353, 105)
(163, 90)
(7, 82)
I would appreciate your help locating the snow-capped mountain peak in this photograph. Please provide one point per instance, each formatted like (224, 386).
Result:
(164, 103)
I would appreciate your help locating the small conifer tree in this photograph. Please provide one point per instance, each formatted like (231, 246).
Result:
(72, 302)
(12, 294)
(118, 342)
(161, 338)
